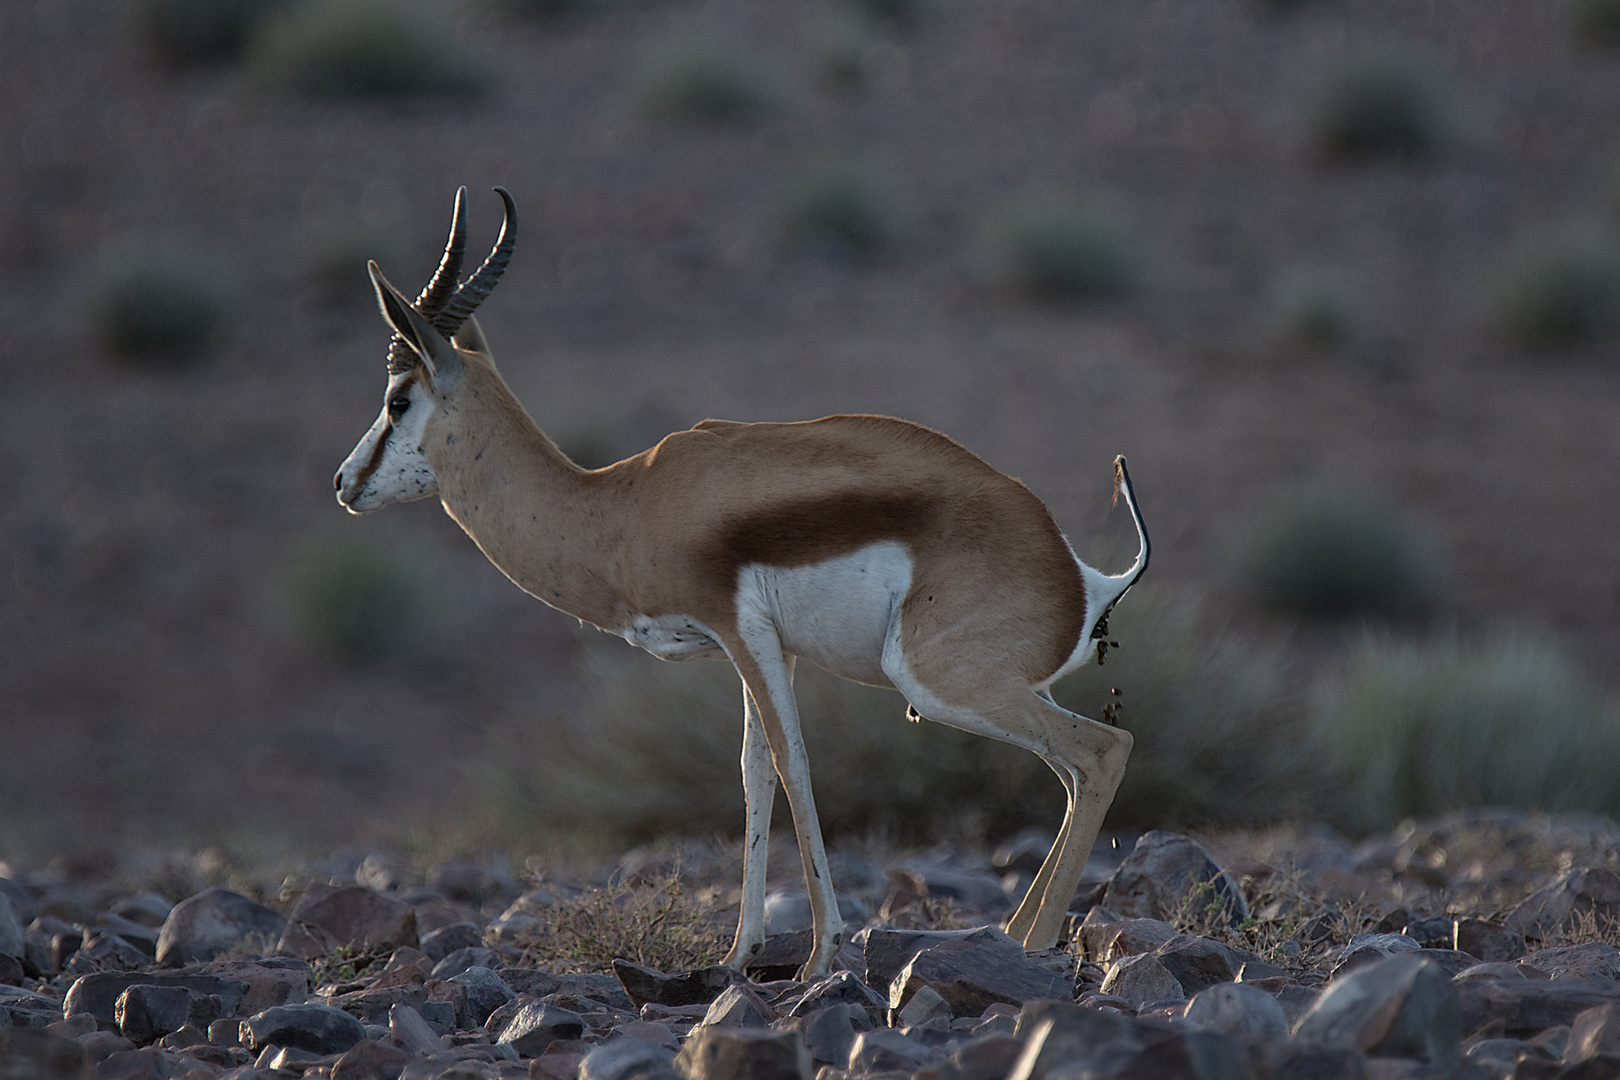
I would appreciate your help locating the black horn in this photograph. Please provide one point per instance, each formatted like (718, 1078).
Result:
(443, 284)
(476, 289)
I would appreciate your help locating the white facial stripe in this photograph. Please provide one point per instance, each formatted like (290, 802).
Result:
(388, 466)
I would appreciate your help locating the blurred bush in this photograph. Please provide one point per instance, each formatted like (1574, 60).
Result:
(707, 78)
(839, 207)
(1596, 21)
(1335, 555)
(1421, 729)
(362, 48)
(842, 44)
(361, 598)
(180, 32)
(1384, 104)
(1067, 251)
(159, 301)
(1311, 309)
(655, 753)
(1560, 287)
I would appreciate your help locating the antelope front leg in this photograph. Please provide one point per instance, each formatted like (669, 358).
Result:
(759, 790)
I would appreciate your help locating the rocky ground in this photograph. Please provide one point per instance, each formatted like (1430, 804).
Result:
(1479, 945)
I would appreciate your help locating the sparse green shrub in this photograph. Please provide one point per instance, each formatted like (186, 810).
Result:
(1385, 104)
(655, 753)
(709, 79)
(179, 32)
(1512, 721)
(361, 598)
(1560, 287)
(362, 48)
(840, 207)
(159, 302)
(1310, 309)
(1596, 21)
(1065, 251)
(1334, 555)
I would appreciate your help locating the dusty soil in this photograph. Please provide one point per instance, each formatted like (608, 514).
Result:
(151, 680)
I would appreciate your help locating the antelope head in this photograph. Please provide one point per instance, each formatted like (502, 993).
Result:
(426, 362)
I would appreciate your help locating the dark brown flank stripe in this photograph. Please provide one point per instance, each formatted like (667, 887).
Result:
(813, 530)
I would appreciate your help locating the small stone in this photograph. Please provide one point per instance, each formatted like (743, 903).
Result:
(1554, 907)
(643, 984)
(145, 1013)
(1061, 1034)
(350, 916)
(537, 1025)
(11, 970)
(989, 1057)
(1164, 869)
(1276, 1059)
(486, 992)
(1107, 939)
(1594, 1031)
(1191, 1055)
(447, 939)
(225, 1032)
(371, 1006)
(1402, 1006)
(744, 1054)
(839, 988)
(648, 1031)
(455, 963)
(1594, 960)
(1494, 970)
(1238, 1009)
(887, 951)
(73, 1026)
(829, 1033)
(214, 921)
(1488, 941)
(1200, 962)
(98, 993)
(13, 938)
(412, 1032)
(148, 1064)
(1142, 979)
(628, 1059)
(367, 1060)
(887, 1050)
(1525, 1007)
(739, 1005)
(970, 976)
(270, 981)
(100, 1045)
(29, 1053)
(1439, 932)
(926, 1004)
(319, 1029)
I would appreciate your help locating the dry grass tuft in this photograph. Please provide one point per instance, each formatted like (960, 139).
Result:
(657, 924)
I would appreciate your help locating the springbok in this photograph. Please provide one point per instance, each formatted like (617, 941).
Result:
(877, 549)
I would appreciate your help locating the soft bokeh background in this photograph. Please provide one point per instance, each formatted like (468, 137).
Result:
(1340, 277)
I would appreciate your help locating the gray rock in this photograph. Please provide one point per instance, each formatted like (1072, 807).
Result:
(1200, 962)
(970, 976)
(1237, 1009)
(440, 1016)
(1454, 963)
(1189, 1055)
(30, 1053)
(367, 1060)
(739, 1005)
(13, 939)
(145, 1013)
(1366, 949)
(1141, 979)
(1489, 942)
(486, 992)
(98, 994)
(1494, 970)
(532, 981)
(988, 1057)
(100, 1045)
(146, 908)
(1162, 872)
(1529, 1006)
(1439, 932)
(1594, 960)
(887, 951)
(447, 939)
(318, 1029)
(214, 921)
(412, 1032)
(1594, 1031)
(99, 951)
(372, 1006)
(1107, 938)
(714, 1053)
(628, 1059)
(1063, 1037)
(351, 916)
(597, 987)
(537, 1025)
(829, 1033)
(24, 901)
(148, 1064)
(839, 988)
(1403, 1006)
(270, 981)
(26, 1008)
(1554, 907)
(1276, 1059)
(456, 962)
(643, 984)
(887, 1050)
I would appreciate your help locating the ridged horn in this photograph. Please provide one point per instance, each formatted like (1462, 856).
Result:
(476, 289)
(440, 287)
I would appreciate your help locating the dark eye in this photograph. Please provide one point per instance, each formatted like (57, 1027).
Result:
(397, 406)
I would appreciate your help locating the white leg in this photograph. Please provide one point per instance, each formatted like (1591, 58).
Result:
(768, 676)
(759, 790)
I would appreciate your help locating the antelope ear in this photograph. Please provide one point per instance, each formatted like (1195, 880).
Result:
(470, 338)
(415, 330)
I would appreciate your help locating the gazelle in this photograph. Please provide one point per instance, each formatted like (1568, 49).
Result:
(875, 548)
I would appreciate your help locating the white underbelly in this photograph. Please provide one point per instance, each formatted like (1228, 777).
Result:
(673, 637)
(836, 614)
